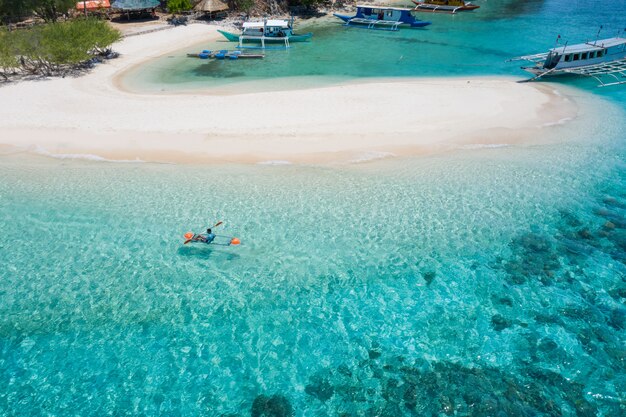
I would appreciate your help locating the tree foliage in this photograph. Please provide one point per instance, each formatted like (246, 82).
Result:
(48, 10)
(55, 47)
(243, 5)
(177, 6)
(12, 10)
(306, 3)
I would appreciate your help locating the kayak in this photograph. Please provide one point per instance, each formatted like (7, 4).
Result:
(220, 240)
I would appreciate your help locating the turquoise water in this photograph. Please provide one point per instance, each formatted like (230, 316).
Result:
(465, 44)
(487, 282)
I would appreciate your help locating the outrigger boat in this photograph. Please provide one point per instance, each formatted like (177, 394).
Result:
(603, 60)
(268, 31)
(382, 18)
(224, 54)
(444, 6)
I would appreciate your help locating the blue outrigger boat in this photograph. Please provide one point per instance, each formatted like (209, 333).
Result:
(382, 18)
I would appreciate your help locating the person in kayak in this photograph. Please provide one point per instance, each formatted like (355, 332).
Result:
(206, 238)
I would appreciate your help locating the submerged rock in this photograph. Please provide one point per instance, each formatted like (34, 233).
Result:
(320, 388)
(500, 323)
(535, 258)
(585, 234)
(609, 225)
(374, 353)
(612, 201)
(618, 292)
(274, 406)
(612, 216)
(429, 277)
(444, 388)
(547, 345)
(505, 300)
(570, 219)
(344, 370)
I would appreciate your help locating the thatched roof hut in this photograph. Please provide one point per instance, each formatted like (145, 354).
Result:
(211, 6)
(132, 5)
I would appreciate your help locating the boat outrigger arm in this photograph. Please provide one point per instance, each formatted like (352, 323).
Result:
(614, 72)
(435, 9)
(606, 73)
(391, 25)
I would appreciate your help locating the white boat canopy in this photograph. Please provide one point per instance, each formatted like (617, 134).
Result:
(382, 7)
(589, 46)
(268, 23)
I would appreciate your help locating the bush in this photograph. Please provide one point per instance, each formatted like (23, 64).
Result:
(177, 6)
(8, 58)
(55, 47)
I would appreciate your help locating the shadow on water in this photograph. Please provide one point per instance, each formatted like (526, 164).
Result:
(584, 83)
(511, 8)
(210, 70)
(207, 252)
(478, 49)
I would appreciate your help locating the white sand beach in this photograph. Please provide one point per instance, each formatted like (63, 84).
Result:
(93, 115)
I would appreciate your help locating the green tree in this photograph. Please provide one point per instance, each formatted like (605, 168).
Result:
(12, 10)
(244, 5)
(49, 10)
(177, 6)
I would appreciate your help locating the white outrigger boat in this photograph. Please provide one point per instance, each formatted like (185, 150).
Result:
(602, 59)
(274, 31)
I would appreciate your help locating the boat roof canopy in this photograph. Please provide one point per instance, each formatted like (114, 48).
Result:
(589, 46)
(92, 5)
(381, 7)
(268, 23)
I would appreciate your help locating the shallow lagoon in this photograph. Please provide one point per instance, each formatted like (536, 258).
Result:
(466, 44)
(479, 282)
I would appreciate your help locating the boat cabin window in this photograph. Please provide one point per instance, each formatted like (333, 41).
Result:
(367, 12)
(592, 55)
(389, 13)
(601, 53)
(585, 55)
(576, 57)
(568, 58)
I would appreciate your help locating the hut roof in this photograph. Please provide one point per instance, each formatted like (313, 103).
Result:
(134, 4)
(211, 6)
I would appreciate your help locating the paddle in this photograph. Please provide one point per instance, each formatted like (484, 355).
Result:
(194, 236)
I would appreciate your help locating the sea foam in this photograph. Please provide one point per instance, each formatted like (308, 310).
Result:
(85, 156)
(371, 156)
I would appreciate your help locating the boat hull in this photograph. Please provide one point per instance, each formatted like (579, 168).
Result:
(368, 22)
(538, 71)
(233, 37)
(426, 7)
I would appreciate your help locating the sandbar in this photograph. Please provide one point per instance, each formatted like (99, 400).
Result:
(93, 116)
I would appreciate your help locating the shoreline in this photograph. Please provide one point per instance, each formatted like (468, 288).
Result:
(94, 115)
